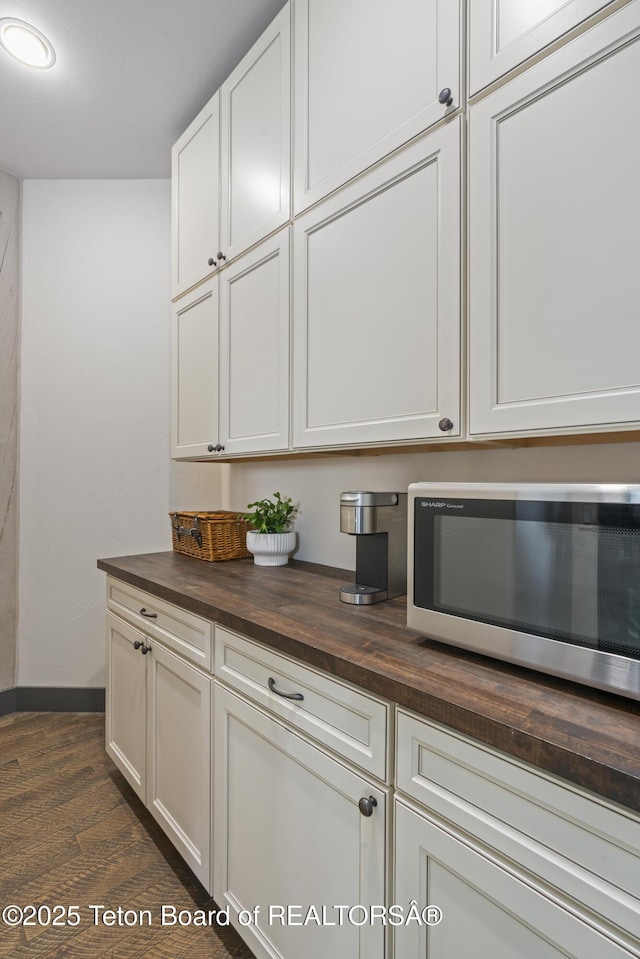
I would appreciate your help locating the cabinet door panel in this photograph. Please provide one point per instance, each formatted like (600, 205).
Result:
(377, 303)
(179, 748)
(484, 907)
(194, 350)
(195, 171)
(125, 703)
(256, 141)
(376, 89)
(504, 33)
(254, 349)
(288, 832)
(554, 230)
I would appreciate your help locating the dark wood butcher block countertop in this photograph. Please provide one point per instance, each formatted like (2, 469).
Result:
(584, 736)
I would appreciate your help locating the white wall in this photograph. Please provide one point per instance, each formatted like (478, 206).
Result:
(96, 479)
(9, 354)
(316, 484)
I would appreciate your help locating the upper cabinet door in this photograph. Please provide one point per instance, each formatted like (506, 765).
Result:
(367, 79)
(256, 141)
(195, 174)
(194, 373)
(254, 349)
(554, 227)
(377, 303)
(504, 33)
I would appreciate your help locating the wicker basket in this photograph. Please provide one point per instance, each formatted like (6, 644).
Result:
(210, 536)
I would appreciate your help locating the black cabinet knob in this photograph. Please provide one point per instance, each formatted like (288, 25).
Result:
(220, 255)
(446, 97)
(445, 424)
(137, 644)
(211, 448)
(211, 261)
(145, 649)
(366, 806)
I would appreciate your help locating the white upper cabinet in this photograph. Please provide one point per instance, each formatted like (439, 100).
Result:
(504, 33)
(254, 349)
(368, 77)
(554, 239)
(230, 354)
(194, 379)
(377, 303)
(195, 174)
(255, 143)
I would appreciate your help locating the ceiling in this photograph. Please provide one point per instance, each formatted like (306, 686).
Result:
(129, 77)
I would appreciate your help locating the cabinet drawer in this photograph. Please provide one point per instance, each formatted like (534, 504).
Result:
(181, 631)
(351, 723)
(580, 844)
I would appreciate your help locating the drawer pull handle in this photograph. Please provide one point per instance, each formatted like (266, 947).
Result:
(144, 612)
(366, 806)
(272, 686)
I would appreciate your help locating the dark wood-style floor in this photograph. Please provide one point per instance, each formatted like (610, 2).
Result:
(73, 833)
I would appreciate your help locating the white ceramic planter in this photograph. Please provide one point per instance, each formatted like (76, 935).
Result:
(271, 549)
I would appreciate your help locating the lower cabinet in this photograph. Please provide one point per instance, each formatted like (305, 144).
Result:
(484, 908)
(309, 838)
(299, 839)
(158, 733)
(516, 861)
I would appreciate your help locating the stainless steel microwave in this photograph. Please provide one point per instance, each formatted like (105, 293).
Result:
(545, 576)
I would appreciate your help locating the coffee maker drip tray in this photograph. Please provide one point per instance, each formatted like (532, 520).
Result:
(362, 595)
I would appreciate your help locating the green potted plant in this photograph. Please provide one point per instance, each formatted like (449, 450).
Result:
(271, 540)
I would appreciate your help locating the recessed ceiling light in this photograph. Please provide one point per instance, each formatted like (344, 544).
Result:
(26, 44)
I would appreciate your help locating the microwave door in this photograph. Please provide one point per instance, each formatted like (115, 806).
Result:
(618, 594)
(556, 573)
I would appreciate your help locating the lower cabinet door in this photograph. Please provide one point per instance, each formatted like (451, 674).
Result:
(292, 847)
(126, 703)
(483, 909)
(179, 756)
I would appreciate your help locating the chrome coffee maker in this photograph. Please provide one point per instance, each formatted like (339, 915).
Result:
(379, 523)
